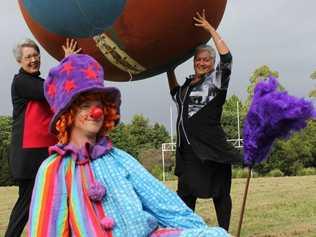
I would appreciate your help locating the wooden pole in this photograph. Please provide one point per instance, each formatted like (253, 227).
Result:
(244, 203)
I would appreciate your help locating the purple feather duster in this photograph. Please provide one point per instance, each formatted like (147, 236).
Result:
(273, 114)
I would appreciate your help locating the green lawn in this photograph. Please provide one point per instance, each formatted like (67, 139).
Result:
(276, 207)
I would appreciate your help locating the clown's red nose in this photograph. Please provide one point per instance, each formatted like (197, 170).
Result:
(96, 113)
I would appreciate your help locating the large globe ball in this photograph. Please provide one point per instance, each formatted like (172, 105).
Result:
(131, 39)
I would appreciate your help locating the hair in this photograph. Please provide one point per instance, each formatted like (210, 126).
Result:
(66, 121)
(205, 47)
(17, 50)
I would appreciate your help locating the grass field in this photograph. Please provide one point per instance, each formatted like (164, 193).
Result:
(276, 207)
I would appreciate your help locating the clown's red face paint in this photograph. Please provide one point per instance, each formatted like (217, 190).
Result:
(89, 118)
(96, 113)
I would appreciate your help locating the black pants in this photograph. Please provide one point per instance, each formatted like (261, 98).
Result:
(20, 211)
(223, 208)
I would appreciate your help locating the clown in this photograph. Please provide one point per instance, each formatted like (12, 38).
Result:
(86, 187)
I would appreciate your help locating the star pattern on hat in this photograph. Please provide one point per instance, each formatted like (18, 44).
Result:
(90, 73)
(52, 89)
(96, 65)
(69, 85)
(67, 67)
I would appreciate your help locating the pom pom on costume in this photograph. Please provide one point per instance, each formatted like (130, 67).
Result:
(96, 192)
(107, 223)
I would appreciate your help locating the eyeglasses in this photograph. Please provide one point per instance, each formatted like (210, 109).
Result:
(32, 56)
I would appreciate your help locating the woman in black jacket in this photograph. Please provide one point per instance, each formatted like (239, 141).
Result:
(203, 156)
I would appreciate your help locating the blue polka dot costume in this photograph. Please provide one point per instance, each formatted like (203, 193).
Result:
(140, 204)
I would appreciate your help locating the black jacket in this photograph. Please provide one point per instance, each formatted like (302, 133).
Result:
(31, 117)
(198, 123)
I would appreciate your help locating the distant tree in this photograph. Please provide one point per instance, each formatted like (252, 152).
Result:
(139, 135)
(309, 138)
(313, 92)
(122, 139)
(5, 138)
(229, 117)
(258, 75)
(158, 134)
(139, 129)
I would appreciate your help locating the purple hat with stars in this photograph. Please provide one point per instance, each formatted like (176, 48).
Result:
(74, 75)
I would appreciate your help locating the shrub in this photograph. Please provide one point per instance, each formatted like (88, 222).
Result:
(169, 175)
(295, 168)
(275, 173)
(157, 171)
(240, 173)
(306, 171)
(254, 174)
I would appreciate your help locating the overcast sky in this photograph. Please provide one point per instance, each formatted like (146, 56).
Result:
(278, 33)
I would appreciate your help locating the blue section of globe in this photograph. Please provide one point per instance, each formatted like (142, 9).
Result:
(75, 18)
